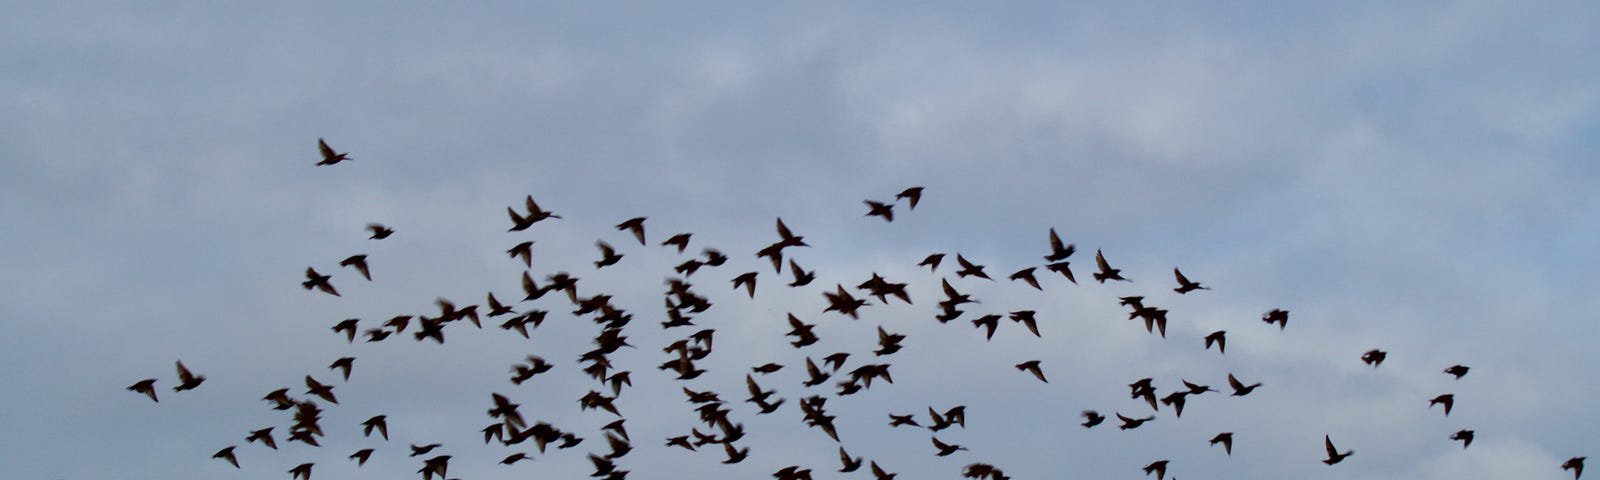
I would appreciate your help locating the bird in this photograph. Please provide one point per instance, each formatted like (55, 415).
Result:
(1025, 317)
(227, 454)
(348, 326)
(1092, 418)
(1448, 400)
(1175, 400)
(1026, 275)
(850, 464)
(301, 471)
(1184, 285)
(1457, 370)
(989, 322)
(880, 209)
(970, 269)
(147, 387)
(946, 449)
(524, 251)
(734, 455)
(186, 379)
(1058, 250)
(913, 195)
(264, 436)
(932, 261)
(329, 157)
(1374, 357)
(1132, 423)
(879, 474)
(635, 225)
(1465, 436)
(801, 277)
(318, 281)
(359, 262)
(1576, 465)
(1159, 467)
(379, 231)
(1219, 337)
(343, 364)
(313, 387)
(420, 450)
(1239, 388)
(1226, 439)
(361, 456)
(748, 281)
(1278, 316)
(1032, 366)
(608, 255)
(379, 422)
(1333, 455)
(1106, 272)
(682, 242)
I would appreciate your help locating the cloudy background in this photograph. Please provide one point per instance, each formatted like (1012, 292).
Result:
(1416, 178)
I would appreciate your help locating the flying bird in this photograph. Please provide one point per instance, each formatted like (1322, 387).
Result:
(1063, 268)
(343, 364)
(1032, 366)
(1106, 272)
(608, 255)
(946, 449)
(379, 231)
(186, 379)
(1219, 337)
(1092, 418)
(850, 464)
(147, 387)
(1447, 400)
(1465, 436)
(1226, 439)
(682, 242)
(1158, 467)
(1132, 423)
(932, 261)
(1025, 317)
(1576, 465)
(1278, 316)
(524, 251)
(1026, 275)
(970, 269)
(359, 262)
(361, 456)
(318, 281)
(348, 326)
(1058, 250)
(1333, 455)
(1239, 388)
(748, 281)
(880, 209)
(301, 471)
(1457, 370)
(379, 423)
(1184, 285)
(329, 157)
(1374, 357)
(913, 194)
(227, 454)
(635, 225)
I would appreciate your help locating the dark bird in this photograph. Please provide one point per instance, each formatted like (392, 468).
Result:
(1132, 423)
(1374, 357)
(344, 364)
(514, 458)
(227, 454)
(1333, 455)
(329, 157)
(301, 471)
(913, 194)
(1026, 275)
(1106, 272)
(1465, 436)
(879, 474)
(417, 451)
(147, 387)
(748, 281)
(1219, 337)
(841, 301)
(313, 387)
(888, 343)
(1197, 389)
(817, 376)
(524, 251)
(1092, 418)
(1576, 465)
(1025, 317)
(946, 449)
(802, 332)
(836, 361)
(932, 261)
(264, 436)
(682, 242)
(970, 269)
(318, 281)
(608, 255)
(635, 225)
(348, 326)
(1175, 400)
(1457, 370)
(989, 322)
(1184, 285)
(379, 231)
(793, 472)
(398, 323)
(788, 238)
(1158, 467)
(885, 210)
(361, 456)
(801, 277)
(953, 297)
(1447, 400)
(1058, 250)
(379, 423)
(359, 262)
(1063, 268)
(680, 441)
(1032, 366)
(907, 419)
(1240, 389)
(1278, 316)
(714, 258)
(767, 368)
(186, 379)
(850, 464)
(734, 455)
(1226, 439)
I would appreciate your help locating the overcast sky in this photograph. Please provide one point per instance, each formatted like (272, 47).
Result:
(1418, 178)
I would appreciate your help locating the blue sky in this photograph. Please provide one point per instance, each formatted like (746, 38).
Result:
(1415, 178)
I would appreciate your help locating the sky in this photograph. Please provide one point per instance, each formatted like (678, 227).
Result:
(1414, 177)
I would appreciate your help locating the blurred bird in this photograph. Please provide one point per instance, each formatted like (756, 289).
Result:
(1026, 275)
(880, 209)
(379, 231)
(946, 449)
(264, 436)
(380, 423)
(1465, 436)
(879, 474)
(361, 456)
(1447, 400)
(318, 281)
(1132, 423)
(1220, 338)
(970, 269)
(635, 225)
(1576, 465)
(359, 262)
(748, 281)
(1184, 285)
(1226, 439)
(1092, 418)
(932, 261)
(186, 379)
(344, 365)
(227, 454)
(329, 157)
(1058, 250)
(1239, 388)
(1374, 357)
(348, 326)
(1032, 366)
(850, 464)
(1158, 467)
(608, 255)
(524, 251)
(913, 195)
(1025, 317)
(1457, 370)
(1333, 455)
(147, 387)
(1278, 316)
(1106, 272)
(301, 471)
(681, 241)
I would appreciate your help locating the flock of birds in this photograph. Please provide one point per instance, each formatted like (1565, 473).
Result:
(723, 432)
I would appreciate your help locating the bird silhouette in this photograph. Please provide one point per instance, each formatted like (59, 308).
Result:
(801, 277)
(1219, 337)
(1278, 316)
(932, 261)
(1457, 370)
(1333, 455)
(524, 251)
(682, 242)
(227, 454)
(379, 423)
(1447, 400)
(348, 326)
(319, 282)
(636, 226)
(1374, 357)
(1239, 388)
(1132, 423)
(1576, 465)
(186, 380)
(301, 471)
(970, 269)
(880, 209)
(343, 364)
(147, 387)
(748, 281)
(1026, 275)
(608, 255)
(946, 449)
(1226, 439)
(1465, 436)
(264, 436)
(1158, 467)
(329, 157)
(851, 464)
(1026, 318)
(1032, 366)
(361, 456)
(878, 473)
(1058, 250)
(1106, 272)
(912, 195)
(358, 262)
(379, 231)
(1092, 418)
